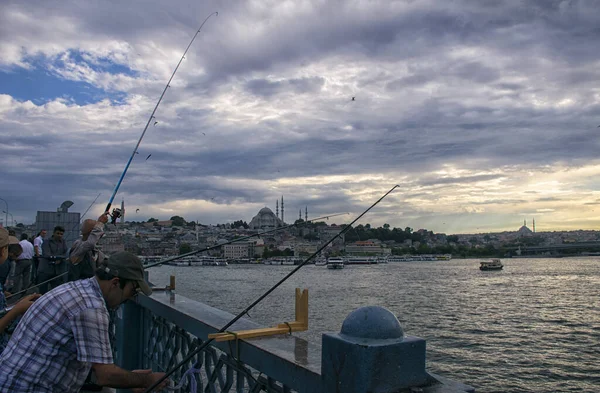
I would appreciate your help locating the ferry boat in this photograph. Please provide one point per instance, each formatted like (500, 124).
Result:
(361, 260)
(335, 263)
(494, 264)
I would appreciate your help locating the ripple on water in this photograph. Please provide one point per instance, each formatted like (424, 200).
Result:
(534, 327)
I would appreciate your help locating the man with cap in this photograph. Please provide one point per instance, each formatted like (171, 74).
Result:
(64, 334)
(7, 317)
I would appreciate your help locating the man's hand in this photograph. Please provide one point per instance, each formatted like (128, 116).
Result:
(155, 377)
(103, 218)
(25, 303)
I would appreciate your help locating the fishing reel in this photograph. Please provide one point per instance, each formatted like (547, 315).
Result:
(116, 213)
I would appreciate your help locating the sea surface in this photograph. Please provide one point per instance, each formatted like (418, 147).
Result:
(532, 327)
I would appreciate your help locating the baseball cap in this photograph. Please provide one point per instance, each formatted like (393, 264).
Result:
(128, 266)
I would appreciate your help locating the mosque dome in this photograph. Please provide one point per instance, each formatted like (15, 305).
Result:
(265, 219)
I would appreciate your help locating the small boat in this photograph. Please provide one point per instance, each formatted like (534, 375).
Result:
(494, 264)
(335, 263)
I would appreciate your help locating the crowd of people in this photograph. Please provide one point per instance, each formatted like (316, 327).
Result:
(54, 319)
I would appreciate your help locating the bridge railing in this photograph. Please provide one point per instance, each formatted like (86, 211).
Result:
(370, 354)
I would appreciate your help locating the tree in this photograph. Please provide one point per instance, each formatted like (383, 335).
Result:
(452, 239)
(152, 219)
(178, 221)
(184, 248)
(408, 230)
(386, 226)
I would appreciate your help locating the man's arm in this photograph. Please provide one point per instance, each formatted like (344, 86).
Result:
(17, 310)
(81, 247)
(116, 377)
(36, 247)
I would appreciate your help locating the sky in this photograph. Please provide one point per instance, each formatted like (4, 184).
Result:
(485, 113)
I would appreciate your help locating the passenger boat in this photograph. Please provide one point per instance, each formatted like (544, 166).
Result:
(361, 260)
(335, 263)
(494, 264)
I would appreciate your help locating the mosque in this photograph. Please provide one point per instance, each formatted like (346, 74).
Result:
(266, 219)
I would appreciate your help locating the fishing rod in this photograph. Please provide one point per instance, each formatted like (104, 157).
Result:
(36, 285)
(117, 212)
(85, 212)
(264, 295)
(238, 240)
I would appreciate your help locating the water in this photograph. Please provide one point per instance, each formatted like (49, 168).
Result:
(533, 327)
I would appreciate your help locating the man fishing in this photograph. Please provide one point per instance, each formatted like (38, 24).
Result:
(65, 334)
(84, 255)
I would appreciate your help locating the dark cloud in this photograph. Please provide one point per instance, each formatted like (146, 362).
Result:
(263, 101)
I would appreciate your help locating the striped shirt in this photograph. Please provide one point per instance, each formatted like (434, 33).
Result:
(58, 339)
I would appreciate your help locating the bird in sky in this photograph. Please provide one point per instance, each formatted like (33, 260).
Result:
(353, 99)
(203, 134)
(148, 156)
(137, 210)
(155, 123)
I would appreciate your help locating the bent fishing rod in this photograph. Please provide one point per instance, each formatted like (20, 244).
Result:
(117, 213)
(238, 240)
(264, 295)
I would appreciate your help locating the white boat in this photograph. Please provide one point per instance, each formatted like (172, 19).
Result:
(494, 264)
(361, 260)
(335, 263)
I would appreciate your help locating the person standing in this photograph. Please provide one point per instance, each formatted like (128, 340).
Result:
(7, 317)
(54, 252)
(37, 249)
(23, 265)
(84, 255)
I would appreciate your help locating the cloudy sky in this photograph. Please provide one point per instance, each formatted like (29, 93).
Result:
(485, 113)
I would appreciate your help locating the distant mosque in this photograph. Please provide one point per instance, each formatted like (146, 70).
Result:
(525, 231)
(266, 219)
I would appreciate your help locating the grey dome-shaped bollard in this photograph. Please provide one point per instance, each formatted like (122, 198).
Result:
(371, 354)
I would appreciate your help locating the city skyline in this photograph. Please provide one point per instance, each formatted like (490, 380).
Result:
(484, 114)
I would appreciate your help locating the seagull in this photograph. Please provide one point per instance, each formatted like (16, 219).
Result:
(137, 152)
(137, 210)
(205, 134)
(353, 98)
(148, 156)
(155, 123)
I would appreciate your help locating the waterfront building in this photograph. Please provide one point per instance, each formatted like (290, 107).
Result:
(367, 247)
(238, 250)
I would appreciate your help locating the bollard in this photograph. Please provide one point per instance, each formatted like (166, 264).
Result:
(371, 354)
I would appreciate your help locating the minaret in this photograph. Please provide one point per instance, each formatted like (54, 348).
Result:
(306, 213)
(122, 211)
(524, 223)
(534, 225)
(277, 208)
(282, 210)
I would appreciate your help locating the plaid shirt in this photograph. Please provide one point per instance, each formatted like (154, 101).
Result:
(56, 342)
(3, 336)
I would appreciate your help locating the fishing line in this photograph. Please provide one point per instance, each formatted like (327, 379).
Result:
(85, 212)
(238, 240)
(117, 212)
(264, 295)
(36, 285)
